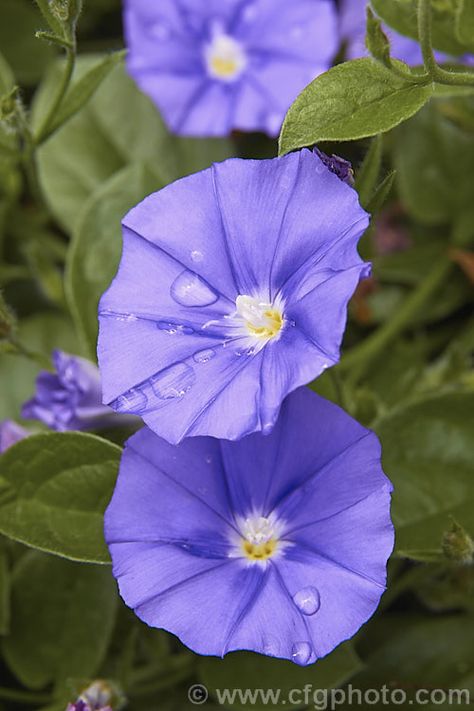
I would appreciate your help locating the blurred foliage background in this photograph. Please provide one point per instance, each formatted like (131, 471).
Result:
(406, 372)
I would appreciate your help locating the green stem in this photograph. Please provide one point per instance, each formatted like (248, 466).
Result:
(359, 358)
(44, 131)
(38, 358)
(24, 697)
(437, 74)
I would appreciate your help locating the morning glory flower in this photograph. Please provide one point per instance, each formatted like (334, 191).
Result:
(70, 398)
(10, 434)
(274, 544)
(353, 30)
(216, 65)
(231, 292)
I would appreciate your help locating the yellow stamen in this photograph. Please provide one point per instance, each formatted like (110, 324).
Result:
(259, 551)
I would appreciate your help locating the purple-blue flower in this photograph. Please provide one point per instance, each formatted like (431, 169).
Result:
(273, 544)
(353, 28)
(216, 65)
(70, 398)
(231, 292)
(10, 434)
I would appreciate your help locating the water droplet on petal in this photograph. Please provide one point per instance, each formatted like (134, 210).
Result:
(271, 645)
(133, 401)
(301, 653)
(173, 382)
(174, 329)
(307, 600)
(188, 289)
(197, 256)
(204, 356)
(208, 459)
(267, 427)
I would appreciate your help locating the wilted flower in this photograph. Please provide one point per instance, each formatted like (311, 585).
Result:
(10, 434)
(353, 28)
(214, 65)
(273, 544)
(231, 292)
(70, 398)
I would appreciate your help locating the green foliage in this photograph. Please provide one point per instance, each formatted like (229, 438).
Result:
(250, 671)
(53, 491)
(4, 590)
(62, 619)
(27, 57)
(98, 142)
(427, 453)
(430, 153)
(401, 15)
(353, 100)
(97, 243)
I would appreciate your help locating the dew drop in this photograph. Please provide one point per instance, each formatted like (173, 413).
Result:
(133, 401)
(173, 382)
(188, 289)
(208, 459)
(174, 329)
(204, 356)
(307, 600)
(301, 653)
(197, 256)
(267, 427)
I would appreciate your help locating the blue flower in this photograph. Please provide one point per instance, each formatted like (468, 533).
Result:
(70, 398)
(273, 544)
(231, 292)
(215, 65)
(10, 434)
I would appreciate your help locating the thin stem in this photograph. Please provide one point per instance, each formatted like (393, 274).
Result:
(24, 697)
(38, 358)
(437, 74)
(44, 131)
(359, 358)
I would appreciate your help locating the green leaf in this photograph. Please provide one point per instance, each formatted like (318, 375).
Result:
(84, 89)
(27, 57)
(4, 591)
(353, 100)
(427, 454)
(381, 193)
(415, 652)
(97, 243)
(431, 155)
(99, 141)
(54, 488)
(62, 620)
(402, 16)
(41, 333)
(244, 670)
(368, 174)
(465, 22)
(376, 40)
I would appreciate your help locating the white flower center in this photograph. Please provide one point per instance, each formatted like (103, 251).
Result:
(258, 530)
(262, 319)
(225, 58)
